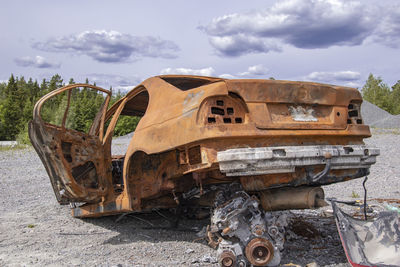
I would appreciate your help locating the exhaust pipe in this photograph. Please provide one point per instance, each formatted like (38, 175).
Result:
(292, 198)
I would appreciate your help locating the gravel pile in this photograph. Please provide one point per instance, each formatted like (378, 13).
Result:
(377, 117)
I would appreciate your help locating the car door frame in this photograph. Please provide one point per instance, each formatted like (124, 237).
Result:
(49, 141)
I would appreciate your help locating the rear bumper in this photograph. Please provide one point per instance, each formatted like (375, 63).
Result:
(285, 159)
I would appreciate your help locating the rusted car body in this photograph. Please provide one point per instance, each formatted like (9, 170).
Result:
(279, 141)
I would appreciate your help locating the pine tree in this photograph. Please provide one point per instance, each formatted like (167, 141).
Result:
(378, 93)
(125, 125)
(12, 111)
(35, 92)
(395, 97)
(55, 82)
(44, 87)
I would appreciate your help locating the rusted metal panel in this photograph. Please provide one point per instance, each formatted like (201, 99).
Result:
(75, 161)
(186, 121)
(372, 242)
(192, 109)
(273, 91)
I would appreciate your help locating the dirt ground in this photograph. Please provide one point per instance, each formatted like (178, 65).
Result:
(36, 231)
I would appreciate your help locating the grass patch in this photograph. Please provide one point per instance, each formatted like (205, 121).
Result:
(376, 130)
(396, 131)
(13, 148)
(354, 194)
(31, 226)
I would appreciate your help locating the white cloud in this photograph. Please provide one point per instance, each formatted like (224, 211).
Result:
(353, 84)
(122, 89)
(187, 71)
(256, 70)
(110, 46)
(343, 76)
(36, 62)
(227, 76)
(117, 82)
(240, 44)
(304, 24)
(251, 72)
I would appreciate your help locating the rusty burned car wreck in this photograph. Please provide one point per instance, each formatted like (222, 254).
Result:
(243, 147)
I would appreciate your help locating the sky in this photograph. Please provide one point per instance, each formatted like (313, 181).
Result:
(121, 43)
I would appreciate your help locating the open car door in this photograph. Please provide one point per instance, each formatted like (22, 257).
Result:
(78, 162)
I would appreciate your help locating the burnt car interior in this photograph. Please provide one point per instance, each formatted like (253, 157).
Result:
(134, 106)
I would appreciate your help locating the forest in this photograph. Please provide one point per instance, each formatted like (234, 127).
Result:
(18, 97)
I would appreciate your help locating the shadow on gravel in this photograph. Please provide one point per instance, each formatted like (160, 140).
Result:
(152, 227)
(309, 238)
(312, 238)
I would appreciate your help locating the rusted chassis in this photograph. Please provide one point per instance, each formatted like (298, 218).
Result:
(186, 122)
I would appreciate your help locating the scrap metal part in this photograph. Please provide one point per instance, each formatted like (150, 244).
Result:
(244, 234)
(292, 198)
(369, 243)
(285, 159)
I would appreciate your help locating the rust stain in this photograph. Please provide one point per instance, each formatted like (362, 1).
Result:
(186, 121)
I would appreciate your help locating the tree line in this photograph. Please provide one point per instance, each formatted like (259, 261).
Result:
(18, 97)
(379, 93)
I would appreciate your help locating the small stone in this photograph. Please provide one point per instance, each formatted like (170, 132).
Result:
(189, 250)
(208, 259)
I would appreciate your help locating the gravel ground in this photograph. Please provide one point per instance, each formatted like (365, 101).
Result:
(36, 231)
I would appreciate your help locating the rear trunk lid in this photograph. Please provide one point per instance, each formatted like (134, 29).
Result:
(295, 105)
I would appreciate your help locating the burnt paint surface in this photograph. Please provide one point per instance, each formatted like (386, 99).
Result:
(75, 161)
(372, 242)
(185, 123)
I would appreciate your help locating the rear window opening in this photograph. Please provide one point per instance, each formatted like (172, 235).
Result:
(186, 83)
